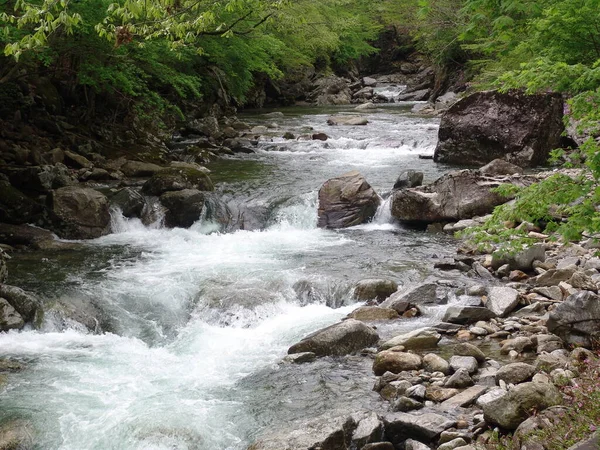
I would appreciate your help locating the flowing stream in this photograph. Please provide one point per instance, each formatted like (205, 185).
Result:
(200, 320)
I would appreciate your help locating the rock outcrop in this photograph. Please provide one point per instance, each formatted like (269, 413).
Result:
(488, 125)
(346, 201)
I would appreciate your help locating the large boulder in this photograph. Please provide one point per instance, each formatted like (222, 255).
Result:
(488, 125)
(509, 410)
(455, 196)
(346, 201)
(183, 207)
(331, 90)
(342, 338)
(577, 319)
(82, 212)
(177, 179)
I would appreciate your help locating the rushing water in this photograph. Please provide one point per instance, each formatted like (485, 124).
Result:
(200, 320)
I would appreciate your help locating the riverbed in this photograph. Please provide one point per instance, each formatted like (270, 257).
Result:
(200, 319)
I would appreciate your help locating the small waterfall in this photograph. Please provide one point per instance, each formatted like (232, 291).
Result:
(383, 215)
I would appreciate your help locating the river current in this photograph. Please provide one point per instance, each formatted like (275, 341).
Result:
(200, 320)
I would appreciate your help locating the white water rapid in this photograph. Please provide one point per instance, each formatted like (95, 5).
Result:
(198, 321)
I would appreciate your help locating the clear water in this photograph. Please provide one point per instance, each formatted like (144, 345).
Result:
(199, 320)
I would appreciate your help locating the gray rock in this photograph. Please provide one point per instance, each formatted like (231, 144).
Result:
(439, 394)
(435, 363)
(417, 391)
(25, 303)
(379, 446)
(460, 379)
(455, 196)
(464, 362)
(513, 408)
(518, 344)
(374, 288)
(553, 277)
(455, 443)
(373, 313)
(369, 430)
(140, 169)
(368, 81)
(488, 125)
(500, 167)
(515, 373)
(465, 398)
(553, 292)
(419, 295)
(490, 396)
(409, 179)
(502, 300)
(548, 343)
(466, 349)
(522, 260)
(183, 207)
(577, 319)
(426, 427)
(417, 339)
(82, 213)
(129, 201)
(467, 314)
(347, 120)
(10, 319)
(177, 179)
(395, 362)
(346, 201)
(405, 404)
(300, 358)
(342, 338)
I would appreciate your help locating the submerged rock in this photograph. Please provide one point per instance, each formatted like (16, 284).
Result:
(488, 125)
(346, 201)
(342, 338)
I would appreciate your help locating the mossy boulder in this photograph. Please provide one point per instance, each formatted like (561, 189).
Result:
(177, 179)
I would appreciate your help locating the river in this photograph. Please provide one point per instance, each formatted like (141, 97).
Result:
(200, 320)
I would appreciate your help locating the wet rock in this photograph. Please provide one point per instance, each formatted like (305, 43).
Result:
(466, 349)
(25, 303)
(342, 338)
(420, 295)
(24, 235)
(515, 373)
(183, 207)
(502, 300)
(500, 167)
(435, 363)
(513, 408)
(453, 197)
(464, 362)
(346, 201)
(395, 362)
(409, 179)
(129, 201)
(411, 444)
(177, 179)
(300, 358)
(577, 319)
(10, 319)
(366, 106)
(467, 314)
(16, 435)
(488, 125)
(82, 213)
(347, 120)
(139, 169)
(373, 313)
(417, 339)
(426, 427)
(319, 137)
(370, 289)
